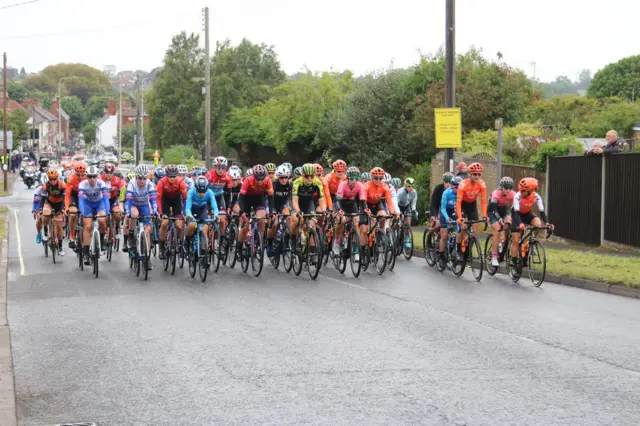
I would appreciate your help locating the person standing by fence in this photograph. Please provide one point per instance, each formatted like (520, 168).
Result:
(614, 144)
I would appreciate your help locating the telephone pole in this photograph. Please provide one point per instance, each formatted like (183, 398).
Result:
(5, 96)
(450, 67)
(138, 124)
(207, 88)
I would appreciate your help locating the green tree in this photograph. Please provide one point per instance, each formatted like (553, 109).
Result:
(565, 112)
(73, 106)
(17, 122)
(519, 142)
(23, 73)
(618, 79)
(176, 98)
(96, 107)
(619, 116)
(89, 81)
(89, 132)
(554, 149)
(17, 92)
(247, 131)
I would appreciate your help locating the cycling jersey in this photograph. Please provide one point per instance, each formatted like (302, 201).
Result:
(281, 194)
(300, 189)
(114, 185)
(218, 183)
(346, 195)
(140, 197)
(252, 194)
(525, 204)
(250, 186)
(406, 198)
(394, 198)
(500, 203)
(325, 190)
(375, 194)
(333, 181)
(36, 199)
(53, 193)
(123, 193)
(468, 192)
(448, 203)
(233, 193)
(189, 182)
(197, 204)
(73, 182)
(93, 198)
(168, 192)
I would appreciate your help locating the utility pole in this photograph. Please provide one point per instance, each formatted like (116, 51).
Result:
(120, 126)
(499, 128)
(450, 67)
(207, 100)
(138, 124)
(4, 120)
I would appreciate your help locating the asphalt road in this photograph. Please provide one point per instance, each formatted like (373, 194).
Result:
(411, 347)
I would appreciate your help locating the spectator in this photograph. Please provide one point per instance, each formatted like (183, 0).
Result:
(596, 149)
(614, 144)
(461, 170)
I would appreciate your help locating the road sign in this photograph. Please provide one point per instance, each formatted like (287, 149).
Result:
(448, 127)
(9, 140)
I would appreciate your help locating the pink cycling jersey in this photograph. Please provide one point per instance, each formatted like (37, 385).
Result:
(347, 194)
(502, 200)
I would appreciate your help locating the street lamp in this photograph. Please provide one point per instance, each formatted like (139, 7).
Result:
(60, 111)
(142, 105)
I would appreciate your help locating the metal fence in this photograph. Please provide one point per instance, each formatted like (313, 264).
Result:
(622, 204)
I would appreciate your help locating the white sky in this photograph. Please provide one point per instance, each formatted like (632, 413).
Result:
(561, 36)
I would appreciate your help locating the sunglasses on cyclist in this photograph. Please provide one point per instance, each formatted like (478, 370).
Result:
(476, 174)
(309, 176)
(377, 178)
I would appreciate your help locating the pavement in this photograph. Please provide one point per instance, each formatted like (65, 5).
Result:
(412, 346)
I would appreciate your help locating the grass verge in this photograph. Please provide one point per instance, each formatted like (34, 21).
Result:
(584, 264)
(6, 193)
(3, 222)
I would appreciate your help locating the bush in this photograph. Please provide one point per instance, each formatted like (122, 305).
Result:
(554, 149)
(422, 174)
(180, 154)
(148, 154)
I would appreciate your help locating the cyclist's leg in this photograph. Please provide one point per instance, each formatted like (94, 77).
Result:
(102, 224)
(444, 233)
(38, 222)
(116, 211)
(515, 236)
(222, 215)
(73, 221)
(496, 238)
(205, 231)
(133, 222)
(46, 217)
(261, 212)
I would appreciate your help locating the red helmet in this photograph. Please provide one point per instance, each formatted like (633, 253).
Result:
(109, 168)
(377, 172)
(528, 184)
(319, 169)
(461, 165)
(339, 166)
(475, 168)
(80, 167)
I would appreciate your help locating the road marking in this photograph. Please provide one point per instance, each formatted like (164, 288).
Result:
(346, 283)
(15, 214)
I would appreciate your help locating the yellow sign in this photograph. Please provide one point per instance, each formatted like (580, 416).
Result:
(448, 127)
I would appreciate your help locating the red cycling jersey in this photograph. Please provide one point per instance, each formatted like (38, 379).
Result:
(168, 189)
(73, 181)
(217, 182)
(333, 181)
(114, 185)
(250, 186)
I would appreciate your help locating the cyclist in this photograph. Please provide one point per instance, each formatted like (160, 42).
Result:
(392, 190)
(115, 186)
(199, 198)
(522, 214)
(171, 192)
(366, 177)
(466, 206)
(182, 171)
(500, 213)
(447, 211)
(462, 170)
(338, 175)
(436, 198)
(325, 186)
(195, 172)
(52, 194)
(378, 195)
(219, 182)
(297, 172)
(71, 198)
(93, 197)
(158, 174)
(36, 210)
(233, 192)
(408, 204)
(282, 188)
(304, 190)
(141, 200)
(351, 198)
(271, 171)
(252, 196)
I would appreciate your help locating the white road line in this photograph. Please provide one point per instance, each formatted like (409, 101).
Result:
(15, 214)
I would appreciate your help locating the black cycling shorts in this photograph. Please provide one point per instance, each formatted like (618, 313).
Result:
(525, 218)
(221, 204)
(470, 210)
(257, 202)
(172, 207)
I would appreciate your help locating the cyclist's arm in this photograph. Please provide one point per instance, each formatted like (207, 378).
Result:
(540, 205)
(461, 189)
(394, 198)
(159, 189)
(483, 200)
(295, 203)
(387, 196)
(189, 204)
(213, 202)
(81, 199)
(325, 189)
(153, 200)
(67, 198)
(128, 201)
(434, 204)
(443, 206)
(270, 201)
(105, 200)
(516, 209)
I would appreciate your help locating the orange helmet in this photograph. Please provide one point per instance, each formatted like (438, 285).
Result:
(339, 166)
(80, 167)
(52, 174)
(475, 168)
(528, 184)
(377, 172)
(461, 165)
(319, 169)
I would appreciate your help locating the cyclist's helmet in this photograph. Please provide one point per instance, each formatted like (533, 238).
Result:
(288, 166)
(271, 167)
(528, 184)
(353, 173)
(220, 161)
(131, 176)
(387, 178)
(308, 169)
(44, 179)
(201, 184)
(446, 178)
(283, 171)
(475, 168)
(259, 171)
(160, 173)
(142, 171)
(319, 169)
(171, 170)
(203, 170)
(507, 182)
(182, 169)
(108, 168)
(456, 181)
(297, 172)
(80, 167)
(377, 172)
(339, 166)
(366, 176)
(117, 172)
(52, 174)
(461, 165)
(409, 181)
(93, 171)
(195, 171)
(396, 182)
(235, 174)
(249, 172)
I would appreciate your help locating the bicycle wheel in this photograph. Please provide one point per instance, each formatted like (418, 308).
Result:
(407, 251)
(167, 249)
(537, 256)
(287, 256)
(488, 254)
(340, 260)
(314, 253)
(203, 259)
(46, 248)
(193, 258)
(173, 250)
(145, 255)
(232, 245)
(54, 248)
(391, 242)
(326, 244)
(257, 253)
(296, 256)
(354, 254)
(428, 247)
(475, 258)
(379, 256)
(95, 255)
(274, 253)
(79, 253)
(245, 254)
(456, 267)
(110, 244)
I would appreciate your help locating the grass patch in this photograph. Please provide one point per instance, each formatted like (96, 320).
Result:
(584, 264)
(3, 222)
(6, 193)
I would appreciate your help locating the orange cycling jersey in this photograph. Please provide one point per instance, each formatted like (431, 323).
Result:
(524, 204)
(376, 192)
(73, 182)
(325, 188)
(333, 181)
(468, 192)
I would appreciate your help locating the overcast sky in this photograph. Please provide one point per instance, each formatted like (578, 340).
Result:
(560, 36)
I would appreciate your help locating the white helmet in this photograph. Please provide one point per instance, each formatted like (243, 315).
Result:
(249, 171)
(234, 167)
(387, 178)
(142, 171)
(235, 174)
(93, 171)
(283, 171)
(182, 169)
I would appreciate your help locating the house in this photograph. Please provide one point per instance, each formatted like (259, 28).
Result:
(45, 125)
(635, 135)
(129, 117)
(11, 104)
(107, 126)
(64, 127)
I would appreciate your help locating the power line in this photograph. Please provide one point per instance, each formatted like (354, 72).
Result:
(18, 4)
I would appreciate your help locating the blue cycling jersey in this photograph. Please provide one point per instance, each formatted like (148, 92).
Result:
(93, 195)
(195, 201)
(448, 204)
(141, 196)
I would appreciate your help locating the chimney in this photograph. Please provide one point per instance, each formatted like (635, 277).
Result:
(54, 107)
(111, 107)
